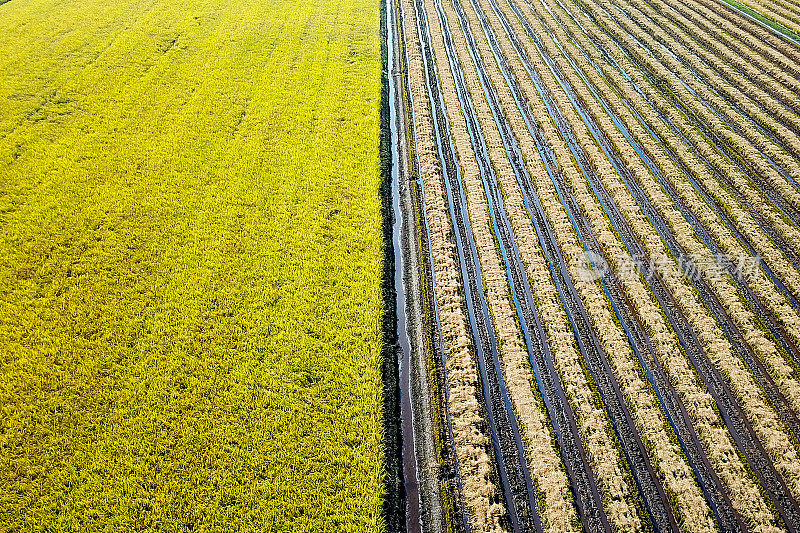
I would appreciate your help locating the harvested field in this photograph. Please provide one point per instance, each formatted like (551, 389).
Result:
(607, 217)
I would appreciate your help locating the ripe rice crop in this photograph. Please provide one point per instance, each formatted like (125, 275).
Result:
(590, 209)
(190, 266)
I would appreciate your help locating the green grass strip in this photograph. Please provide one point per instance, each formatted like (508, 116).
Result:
(780, 28)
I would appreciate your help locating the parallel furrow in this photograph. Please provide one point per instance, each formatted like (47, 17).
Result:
(597, 349)
(473, 467)
(506, 438)
(724, 303)
(621, 226)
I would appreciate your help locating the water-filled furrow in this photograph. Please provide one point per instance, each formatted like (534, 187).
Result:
(579, 471)
(651, 490)
(450, 462)
(634, 247)
(732, 331)
(790, 213)
(407, 430)
(523, 493)
(676, 412)
(436, 489)
(501, 422)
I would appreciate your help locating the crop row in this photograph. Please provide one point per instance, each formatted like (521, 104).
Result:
(552, 131)
(735, 62)
(724, 292)
(463, 408)
(747, 115)
(719, 120)
(651, 126)
(740, 180)
(700, 319)
(664, 215)
(764, 249)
